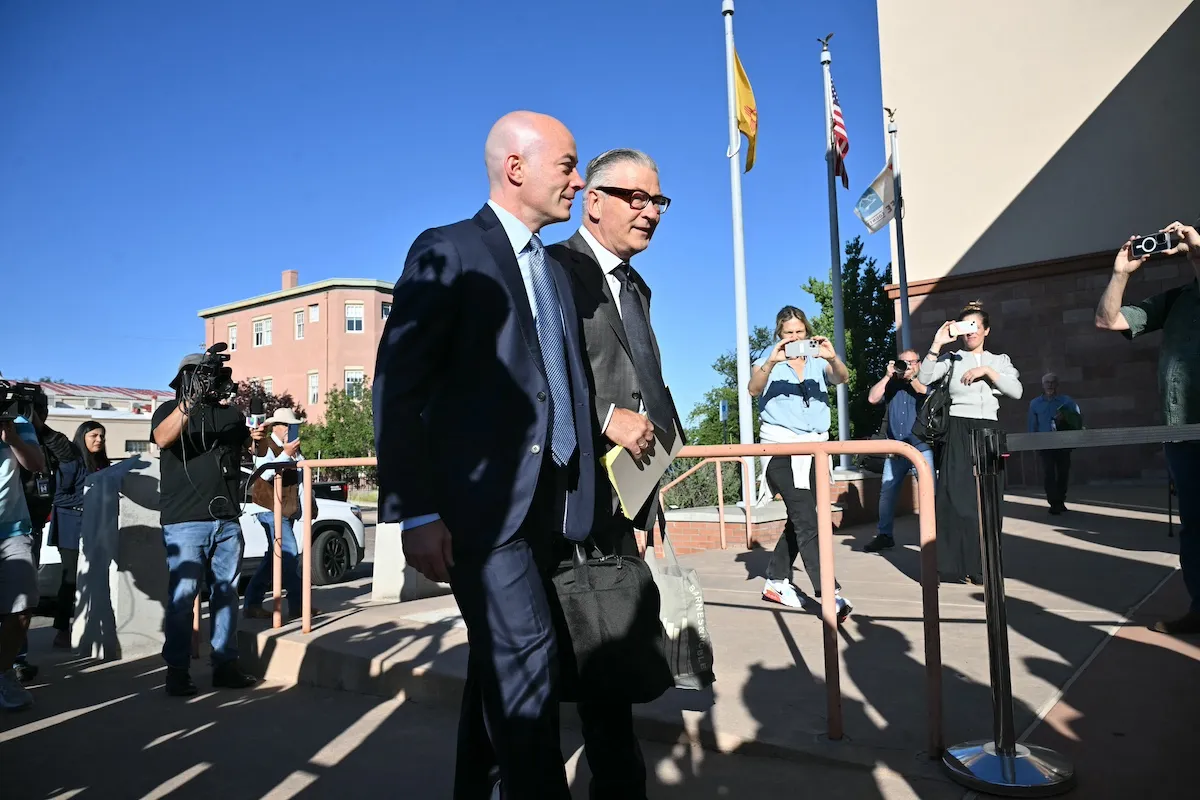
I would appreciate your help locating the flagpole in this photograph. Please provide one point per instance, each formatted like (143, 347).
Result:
(745, 415)
(898, 220)
(835, 254)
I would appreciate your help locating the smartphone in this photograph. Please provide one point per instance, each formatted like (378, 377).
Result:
(293, 433)
(805, 348)
(963, 327)
(1153, 243)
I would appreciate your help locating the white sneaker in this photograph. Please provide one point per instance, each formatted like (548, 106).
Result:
(13, 695)
(784, 593)
(844, 609)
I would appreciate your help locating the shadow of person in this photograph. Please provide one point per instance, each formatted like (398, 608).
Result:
(755, 561)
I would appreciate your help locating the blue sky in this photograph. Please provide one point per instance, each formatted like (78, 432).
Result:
(158, 158)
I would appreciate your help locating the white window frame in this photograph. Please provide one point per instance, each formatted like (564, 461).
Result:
(262, 335)
(360, 318)
(298, 324)
(267, 384)
(231, 330)
(346, 375)
(314, 388)
(314, 313)
(385, 310)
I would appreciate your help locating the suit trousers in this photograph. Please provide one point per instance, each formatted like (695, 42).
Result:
(1056, 469)
(509, 723)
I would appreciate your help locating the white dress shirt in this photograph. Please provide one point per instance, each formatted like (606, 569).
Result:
(608, 264)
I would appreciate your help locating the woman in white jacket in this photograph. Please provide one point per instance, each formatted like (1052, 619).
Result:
(793, 406)
(978, 380)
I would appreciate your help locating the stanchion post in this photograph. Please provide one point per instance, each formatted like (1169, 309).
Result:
(1000, 765)
(277, 554)
(721, 502)
(196, 626)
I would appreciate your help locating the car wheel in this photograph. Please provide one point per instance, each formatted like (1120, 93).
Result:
(331, 558)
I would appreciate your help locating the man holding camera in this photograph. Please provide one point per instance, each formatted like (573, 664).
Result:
(902, 394)
(19, 450)
(201, 438)
(1174, 313)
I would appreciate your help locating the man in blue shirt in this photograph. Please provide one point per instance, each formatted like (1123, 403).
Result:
(1046, 414)
(18, 577)
(903, 394)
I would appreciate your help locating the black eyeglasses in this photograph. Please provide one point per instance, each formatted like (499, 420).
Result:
(637, 199)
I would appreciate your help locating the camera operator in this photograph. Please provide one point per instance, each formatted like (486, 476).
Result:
(201, 438)
(18, 576)
(902, 395)
(39, 487)
(1174, 313)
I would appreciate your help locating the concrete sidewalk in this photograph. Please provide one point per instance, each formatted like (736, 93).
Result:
(1070, 582)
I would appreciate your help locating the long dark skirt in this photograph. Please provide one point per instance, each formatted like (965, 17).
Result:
(958, 548)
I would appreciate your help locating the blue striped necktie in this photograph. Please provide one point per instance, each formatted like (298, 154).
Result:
(554, 355)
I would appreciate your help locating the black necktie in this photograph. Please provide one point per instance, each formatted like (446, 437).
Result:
(645, 363)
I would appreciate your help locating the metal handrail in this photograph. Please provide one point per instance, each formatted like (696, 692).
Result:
(821, 451)
(662, 495)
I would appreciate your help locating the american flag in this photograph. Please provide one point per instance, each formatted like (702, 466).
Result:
(841, 140)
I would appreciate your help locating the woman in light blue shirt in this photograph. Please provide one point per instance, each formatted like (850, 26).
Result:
(793, 406)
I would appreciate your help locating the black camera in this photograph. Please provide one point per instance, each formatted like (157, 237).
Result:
(210, 381)
(900, 366)
(1152, 243)
(18, 399)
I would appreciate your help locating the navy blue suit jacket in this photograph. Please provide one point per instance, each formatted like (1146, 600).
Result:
(461, 400)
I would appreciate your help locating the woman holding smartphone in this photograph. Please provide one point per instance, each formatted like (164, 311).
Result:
(793, 406)
(978, 380)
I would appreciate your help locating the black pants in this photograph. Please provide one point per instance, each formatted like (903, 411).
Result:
(800, 531)
(64, 608)
(1056, 466)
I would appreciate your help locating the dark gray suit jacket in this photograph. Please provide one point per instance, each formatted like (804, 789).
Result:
(608, 361)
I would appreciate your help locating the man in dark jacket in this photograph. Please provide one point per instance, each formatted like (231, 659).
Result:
(39, 490)
(903, 394)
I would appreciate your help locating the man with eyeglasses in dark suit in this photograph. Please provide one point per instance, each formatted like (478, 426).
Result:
(623, 205)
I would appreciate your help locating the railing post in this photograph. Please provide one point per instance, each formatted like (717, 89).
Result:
(1000, 765)
(277, 554)
(196, 626)
(306, 550)
(749, 478)
(721, 502)
(927, 497)
(833, 690)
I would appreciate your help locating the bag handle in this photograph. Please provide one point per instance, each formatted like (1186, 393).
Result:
(668, 548)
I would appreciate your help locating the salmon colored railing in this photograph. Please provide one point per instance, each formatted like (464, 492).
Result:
(721, 453)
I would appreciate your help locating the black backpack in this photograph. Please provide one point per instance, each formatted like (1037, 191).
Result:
(933, 418)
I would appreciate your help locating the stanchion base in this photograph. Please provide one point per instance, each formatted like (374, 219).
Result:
(1032, 772)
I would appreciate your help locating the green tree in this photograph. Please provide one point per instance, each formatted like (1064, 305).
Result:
(870, 331)
(700, 489)
(248, 390)
(348, 431)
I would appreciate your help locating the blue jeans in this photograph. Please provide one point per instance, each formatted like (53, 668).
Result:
(895, 470)
(263, 576)
(1183, 459)
(212, 550)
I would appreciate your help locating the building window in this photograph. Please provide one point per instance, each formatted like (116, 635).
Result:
(354, 382)
(387, 311)
(268, 385)
(314, 392)
(133, 446)
(232, 338)
(262, 332)
(299, 319)
(354, 317)
(314, 313)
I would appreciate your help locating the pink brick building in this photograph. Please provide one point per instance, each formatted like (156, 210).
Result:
(304, 339)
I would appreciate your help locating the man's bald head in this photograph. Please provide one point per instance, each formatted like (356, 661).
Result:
(530, 160)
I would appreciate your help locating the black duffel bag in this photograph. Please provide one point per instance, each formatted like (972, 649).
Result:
(611, 639)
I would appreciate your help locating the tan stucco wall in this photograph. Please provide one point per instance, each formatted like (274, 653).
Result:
(1040, 129)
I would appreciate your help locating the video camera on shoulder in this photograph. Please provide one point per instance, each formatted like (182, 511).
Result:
(17, 399)
(210, 381)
